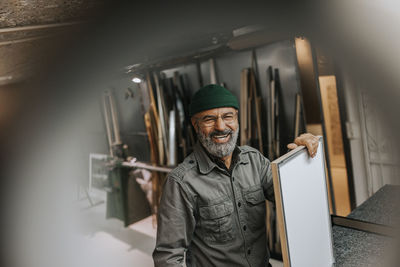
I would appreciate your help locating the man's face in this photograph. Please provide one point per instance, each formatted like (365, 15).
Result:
(217, 130)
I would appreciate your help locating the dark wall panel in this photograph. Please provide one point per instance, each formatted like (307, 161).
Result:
(281, 55)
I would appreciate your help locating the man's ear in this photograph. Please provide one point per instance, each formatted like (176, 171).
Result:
(194, 123)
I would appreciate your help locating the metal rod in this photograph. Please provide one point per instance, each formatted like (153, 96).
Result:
(107, 121)
(143, 165)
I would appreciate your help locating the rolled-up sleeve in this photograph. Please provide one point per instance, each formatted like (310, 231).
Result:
(175, 225)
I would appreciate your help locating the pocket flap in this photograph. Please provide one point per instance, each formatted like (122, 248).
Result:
(255, 197)
(216, 211)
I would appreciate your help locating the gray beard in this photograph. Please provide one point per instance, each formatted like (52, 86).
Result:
(215, 149)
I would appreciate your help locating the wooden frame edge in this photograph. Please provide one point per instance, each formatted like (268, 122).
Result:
(280, 214)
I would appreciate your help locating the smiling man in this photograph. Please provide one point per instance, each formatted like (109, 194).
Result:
(212, 210)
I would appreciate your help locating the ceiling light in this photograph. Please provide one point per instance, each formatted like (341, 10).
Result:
(136, 80)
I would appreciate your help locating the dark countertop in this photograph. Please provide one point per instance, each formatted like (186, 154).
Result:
(357, 248)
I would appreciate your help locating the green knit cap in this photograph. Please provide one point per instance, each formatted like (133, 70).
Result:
(212, 96)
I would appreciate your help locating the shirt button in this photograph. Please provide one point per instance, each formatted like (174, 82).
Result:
(191, 161)
(244, 228)
(239, 204)
(248, 251)
(233, 179)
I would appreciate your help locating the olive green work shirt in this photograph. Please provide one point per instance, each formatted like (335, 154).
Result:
(209, 216)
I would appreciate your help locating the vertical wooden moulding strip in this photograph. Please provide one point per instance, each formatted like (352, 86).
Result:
(243, 107)
(257, 102)
(280, 215)
(260, 137)
(249, 124)
(114, 119)
(272, 119)
(162, 120)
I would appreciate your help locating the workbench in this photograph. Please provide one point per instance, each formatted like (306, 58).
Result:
(360, 248)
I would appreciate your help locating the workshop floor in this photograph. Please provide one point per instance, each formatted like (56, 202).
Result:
(123, 246)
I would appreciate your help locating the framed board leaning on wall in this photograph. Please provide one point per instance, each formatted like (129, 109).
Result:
(302, 207)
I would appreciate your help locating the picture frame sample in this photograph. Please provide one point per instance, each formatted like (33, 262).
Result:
(302, 208)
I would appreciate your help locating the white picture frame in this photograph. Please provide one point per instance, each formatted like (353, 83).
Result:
(301, 196)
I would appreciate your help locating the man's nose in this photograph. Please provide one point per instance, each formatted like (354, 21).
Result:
(219, 124)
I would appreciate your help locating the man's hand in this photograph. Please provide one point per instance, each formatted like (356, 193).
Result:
(308, 140)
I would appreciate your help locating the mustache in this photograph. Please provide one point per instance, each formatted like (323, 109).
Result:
(224, 132)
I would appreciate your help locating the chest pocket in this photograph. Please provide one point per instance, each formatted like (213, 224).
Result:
(255, 208)
(216, 221)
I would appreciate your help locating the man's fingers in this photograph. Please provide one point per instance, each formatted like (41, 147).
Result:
(308, 140)
(291, 146)
(312, 149)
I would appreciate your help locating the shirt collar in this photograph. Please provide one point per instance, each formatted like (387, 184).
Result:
(206, 164)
